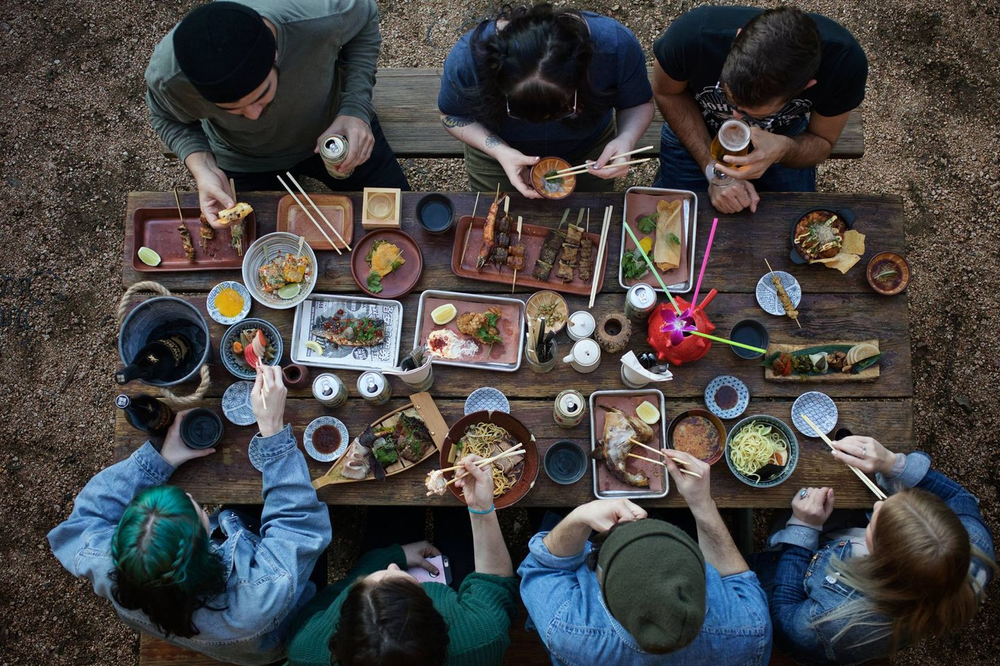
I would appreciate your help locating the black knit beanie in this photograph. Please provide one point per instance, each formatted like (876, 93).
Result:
(225, 49)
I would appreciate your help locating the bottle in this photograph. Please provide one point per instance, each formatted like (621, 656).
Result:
(159, 359)
(146, 413)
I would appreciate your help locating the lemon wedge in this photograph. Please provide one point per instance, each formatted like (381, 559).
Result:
(647, 244)
(315, 346)
(443, 314)
(148, 256)
(647, 412)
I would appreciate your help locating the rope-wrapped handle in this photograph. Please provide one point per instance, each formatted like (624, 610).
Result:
(174, 401)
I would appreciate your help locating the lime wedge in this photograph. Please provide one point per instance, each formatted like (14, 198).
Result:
(290, 291)
(443, 314)
(315, 346)
(148, 256)
(647, 412)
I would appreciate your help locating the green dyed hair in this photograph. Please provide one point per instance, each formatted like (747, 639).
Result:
(163, 563)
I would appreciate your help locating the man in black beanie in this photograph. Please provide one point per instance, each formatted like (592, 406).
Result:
(644, 592)
(247, 90)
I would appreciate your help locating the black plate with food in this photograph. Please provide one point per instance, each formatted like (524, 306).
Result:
(815, 236)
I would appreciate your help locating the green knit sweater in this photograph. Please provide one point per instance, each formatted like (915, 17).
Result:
(478, 615)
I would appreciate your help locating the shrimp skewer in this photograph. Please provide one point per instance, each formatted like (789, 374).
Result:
(489, 234)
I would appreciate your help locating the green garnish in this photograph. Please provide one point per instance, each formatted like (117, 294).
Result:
(674, 240)
(633, 265)
(889, 272)
(374, 282)
(375, 246)
(647, 224)
(484, 334)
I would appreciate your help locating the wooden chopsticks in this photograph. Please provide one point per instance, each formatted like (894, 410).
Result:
(664, 454)
(861, 475)
(601, 248)
(583, 168)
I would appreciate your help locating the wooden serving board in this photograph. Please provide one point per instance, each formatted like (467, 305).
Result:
(156, 228)
(869, 374)
(533, 236)
(421, 405)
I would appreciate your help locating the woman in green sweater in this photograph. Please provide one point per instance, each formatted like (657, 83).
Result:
(379, 615)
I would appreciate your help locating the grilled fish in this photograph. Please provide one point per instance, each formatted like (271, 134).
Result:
(351, 332)
(619, 428)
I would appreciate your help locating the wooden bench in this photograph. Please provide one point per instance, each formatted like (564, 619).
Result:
(406, 102)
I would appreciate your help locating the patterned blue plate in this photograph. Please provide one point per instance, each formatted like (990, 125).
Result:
(742, 397)
(486, 399)
(236, 404)
(767, 295)
(817, 406)
(214, 311)
(307, 438)
(236, 365)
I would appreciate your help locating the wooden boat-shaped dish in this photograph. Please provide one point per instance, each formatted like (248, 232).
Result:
(422, 406)
(869, 373)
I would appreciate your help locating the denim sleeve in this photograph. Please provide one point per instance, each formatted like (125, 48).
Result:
(295, 525)
(791, 607)
(100, 506)
(548, 583)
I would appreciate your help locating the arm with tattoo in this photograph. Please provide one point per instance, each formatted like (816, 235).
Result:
(473, 133)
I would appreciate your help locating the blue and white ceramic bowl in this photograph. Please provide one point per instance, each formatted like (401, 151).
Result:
(267, 248)
(236, 404)
(742, 397)
(307, 438)
(793, 451)
(235, 364)
(767, 295)
(487, 399)
(213, 311)
(820, 408)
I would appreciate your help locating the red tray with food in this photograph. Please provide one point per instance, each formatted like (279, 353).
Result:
(158, 229)
(614, 429)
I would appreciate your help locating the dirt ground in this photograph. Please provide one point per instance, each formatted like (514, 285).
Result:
(74, 140)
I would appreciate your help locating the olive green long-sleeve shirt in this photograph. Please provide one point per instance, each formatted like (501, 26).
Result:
(327, 56)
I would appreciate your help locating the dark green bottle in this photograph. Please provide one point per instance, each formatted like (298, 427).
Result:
(146, 413)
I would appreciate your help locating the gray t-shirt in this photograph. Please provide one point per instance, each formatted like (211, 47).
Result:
(327, 56)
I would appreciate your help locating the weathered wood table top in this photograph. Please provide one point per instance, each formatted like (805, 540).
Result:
(834, 307)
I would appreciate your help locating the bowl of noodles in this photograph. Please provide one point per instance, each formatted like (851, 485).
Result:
(486, 434)
(762, 451)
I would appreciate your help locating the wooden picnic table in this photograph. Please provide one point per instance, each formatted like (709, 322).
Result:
(834, 307)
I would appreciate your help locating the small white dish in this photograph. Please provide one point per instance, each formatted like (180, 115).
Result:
(742, 397)
(213, 311)
(820, 408)
(236, 404)
(487, 399)
(767, 295)
(307, 438)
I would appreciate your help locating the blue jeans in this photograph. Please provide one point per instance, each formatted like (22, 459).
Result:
(679, 171)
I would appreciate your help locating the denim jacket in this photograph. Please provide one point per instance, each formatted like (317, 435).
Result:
(805, 588)
(268, 575)
(564, 600)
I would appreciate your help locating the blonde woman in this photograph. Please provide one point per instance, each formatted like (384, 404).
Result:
(845, 595)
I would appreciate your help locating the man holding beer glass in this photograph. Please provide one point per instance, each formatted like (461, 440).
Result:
(772, 88)
(249, 90)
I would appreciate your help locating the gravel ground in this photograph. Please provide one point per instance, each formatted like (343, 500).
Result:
(75, 139)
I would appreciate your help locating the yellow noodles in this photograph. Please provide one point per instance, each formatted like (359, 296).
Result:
(754, 446)
(486, 440)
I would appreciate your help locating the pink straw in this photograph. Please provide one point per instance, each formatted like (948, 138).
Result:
(704, 262)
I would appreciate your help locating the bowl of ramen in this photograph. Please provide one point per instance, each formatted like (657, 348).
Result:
(762, 451)
(547, 183)
(487, 434)
(888, 273)
(819, 234)
(699, 433)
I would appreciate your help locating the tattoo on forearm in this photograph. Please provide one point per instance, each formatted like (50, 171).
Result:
(456, 121)
(492, 141)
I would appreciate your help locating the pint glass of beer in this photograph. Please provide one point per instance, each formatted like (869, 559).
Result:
(733, 139)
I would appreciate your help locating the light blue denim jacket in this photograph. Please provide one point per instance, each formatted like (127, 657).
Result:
(565, 603)
(268, 575)
(803, 588)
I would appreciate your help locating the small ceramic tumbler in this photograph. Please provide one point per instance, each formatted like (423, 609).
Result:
(295, 375)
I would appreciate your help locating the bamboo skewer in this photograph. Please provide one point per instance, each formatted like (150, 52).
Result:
(601, 247)
(180, 213)
(583, 166)
(575, 171)
(861, 475)
(309, 215)
(513, 282)
(318, 211)
(777, 281)
(468, 232)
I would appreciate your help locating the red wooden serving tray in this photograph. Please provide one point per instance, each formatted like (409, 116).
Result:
(156, 228)
(337, 208)
(533, 236)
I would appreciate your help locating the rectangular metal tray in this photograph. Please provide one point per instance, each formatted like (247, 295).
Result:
(383, 357)
(631, 494)
(473, 298)
(156, 228)
(690, 200)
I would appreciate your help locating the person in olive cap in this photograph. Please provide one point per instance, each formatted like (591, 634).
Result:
(643, 591)
(247, 90)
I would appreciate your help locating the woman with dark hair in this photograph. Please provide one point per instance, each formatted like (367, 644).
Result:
(206, 584)
(380, 615)
(545, 82)
(843, 594)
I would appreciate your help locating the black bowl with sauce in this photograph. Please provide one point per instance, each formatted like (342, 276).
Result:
(435, 213)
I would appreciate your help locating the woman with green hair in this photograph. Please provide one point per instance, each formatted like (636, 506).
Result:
(211, 585)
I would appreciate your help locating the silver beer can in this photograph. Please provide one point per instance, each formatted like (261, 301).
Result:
(333, 150)
(569, 408)
(640, 301)
(329, 390)
(374, 388)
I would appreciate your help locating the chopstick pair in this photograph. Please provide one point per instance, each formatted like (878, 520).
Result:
(585, 168)
(318, 212)
(861, 475)
(662, 453)
(513, 451)
(601, 248)
(566, 171)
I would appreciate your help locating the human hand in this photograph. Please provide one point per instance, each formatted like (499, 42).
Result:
(602, 515)
(768, 148)
(696, 492)
(813, 506)
(733, 198)
(605, 167)
(517, 166)
(270, 419)
(213, 186)
(174, 450)
(360, 140)
(476, 484)
(865, 453)
(417, 554)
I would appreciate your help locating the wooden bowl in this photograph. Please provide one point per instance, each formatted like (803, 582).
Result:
(887, 261)
(520, 433)
(552, 189)
(552, 302)
(719, 427)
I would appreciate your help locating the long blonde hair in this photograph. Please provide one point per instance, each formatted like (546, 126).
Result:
(916, 581)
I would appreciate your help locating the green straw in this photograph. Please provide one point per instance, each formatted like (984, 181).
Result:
(672, 302)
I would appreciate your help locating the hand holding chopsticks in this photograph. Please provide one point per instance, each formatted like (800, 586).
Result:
(588, 167)
(436, 484)
(861, 475)
(663, 453)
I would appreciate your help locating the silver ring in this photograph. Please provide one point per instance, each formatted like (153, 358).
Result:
(803, 493)
(864, 450)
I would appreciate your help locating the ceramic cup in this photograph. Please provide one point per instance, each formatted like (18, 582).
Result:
(201, 429)
(581, 325)
(565, 462)
(417, 380)
(295, 375)
(632, 379)
(585, 356)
